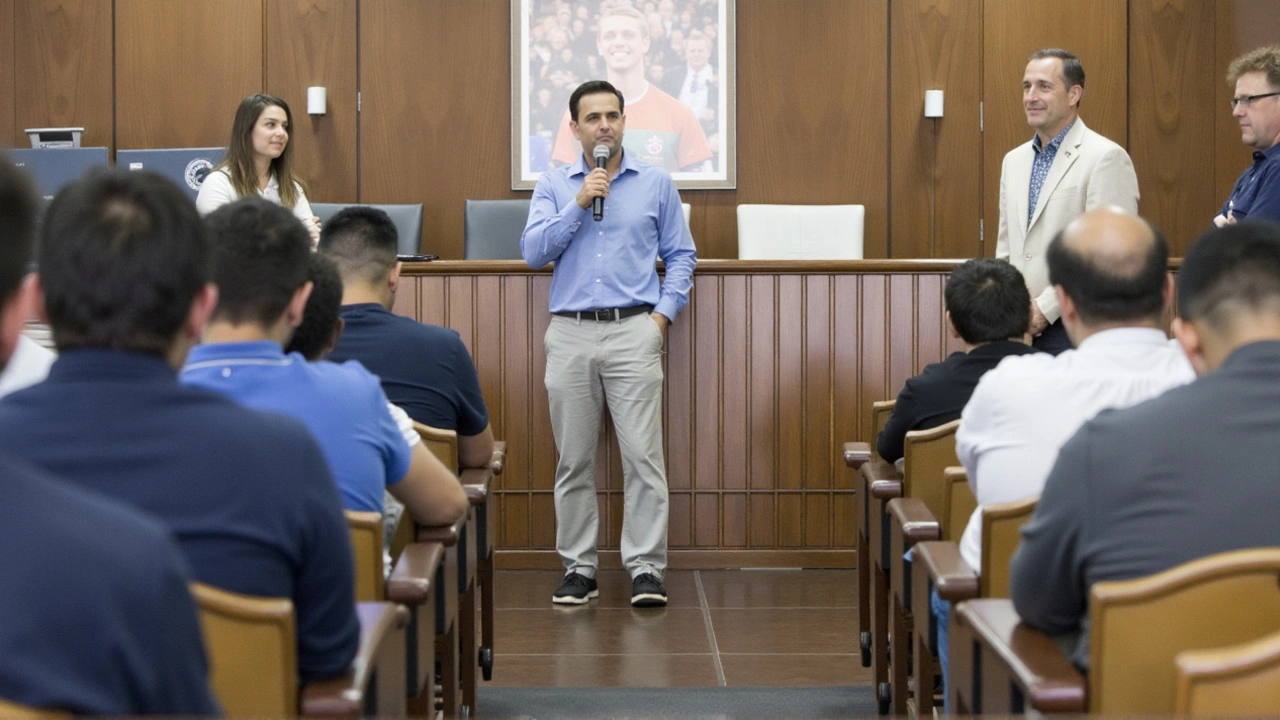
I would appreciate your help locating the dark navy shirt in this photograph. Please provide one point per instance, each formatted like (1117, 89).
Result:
(1256, 193)
(425, 369)
(248, 495)
(95, 613)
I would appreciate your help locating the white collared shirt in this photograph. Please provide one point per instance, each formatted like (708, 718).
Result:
(1025, 409)
(696, 90)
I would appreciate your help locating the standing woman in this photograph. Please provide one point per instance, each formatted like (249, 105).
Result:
(259, 161)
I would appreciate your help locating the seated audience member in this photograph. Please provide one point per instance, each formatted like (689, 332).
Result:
(260, 259)
(424, 369)
(1188, 474)
(1109, 269)
(989, 308)
(124, 266)
(105, 628)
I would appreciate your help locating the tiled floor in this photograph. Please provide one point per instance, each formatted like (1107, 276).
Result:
(722, 627)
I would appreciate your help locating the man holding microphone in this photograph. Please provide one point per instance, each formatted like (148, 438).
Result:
(604, 228)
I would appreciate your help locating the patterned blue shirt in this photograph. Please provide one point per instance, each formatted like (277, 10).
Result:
(1040, 166)
(611, 263)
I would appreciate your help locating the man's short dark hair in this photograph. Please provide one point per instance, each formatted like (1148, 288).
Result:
(19, 206)
(122, 257)
(988, 301)
(1103, 294)
(321, 314)
(362, 241)
(1229, 268)
(260, 259)
(592, 87)
(1072, 69)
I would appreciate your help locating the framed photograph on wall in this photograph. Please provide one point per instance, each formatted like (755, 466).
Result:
(673, 61)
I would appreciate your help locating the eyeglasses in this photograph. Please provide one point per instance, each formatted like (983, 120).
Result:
(1247, 100)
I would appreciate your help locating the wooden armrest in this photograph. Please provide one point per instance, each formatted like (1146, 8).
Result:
(411, 578)
(912, 516)
(886, 489)
(879, 470)
(475, 481)
(447, 535)
(951, 576)
(344, 696)
(1049, 682)
(499, 459)
(856, 454)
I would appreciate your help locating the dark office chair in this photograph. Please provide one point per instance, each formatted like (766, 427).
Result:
(408, 220)
(493, 229)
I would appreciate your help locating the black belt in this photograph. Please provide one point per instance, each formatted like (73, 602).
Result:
(607, 314)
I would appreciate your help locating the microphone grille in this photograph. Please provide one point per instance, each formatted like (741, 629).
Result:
(600, 151)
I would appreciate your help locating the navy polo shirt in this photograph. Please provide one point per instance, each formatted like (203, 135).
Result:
(425, 369)
(248, 495)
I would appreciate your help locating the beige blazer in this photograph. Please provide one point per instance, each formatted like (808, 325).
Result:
(1088, 172)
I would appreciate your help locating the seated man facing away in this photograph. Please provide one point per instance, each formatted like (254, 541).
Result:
(105, 628)
(124, 266)
(1109, 268)
(989, 308)
(1188, 474)
(424, 369)
(260, 259)
(315, 337)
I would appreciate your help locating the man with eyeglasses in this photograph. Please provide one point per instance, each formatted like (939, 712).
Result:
(1256, 106)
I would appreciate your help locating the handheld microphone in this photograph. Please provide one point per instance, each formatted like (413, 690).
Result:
(601, 154)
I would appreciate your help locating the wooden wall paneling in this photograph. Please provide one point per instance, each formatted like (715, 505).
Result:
(182, 69)
(435, 126)
(1241, 26)
(10, 135)
(935, 201)
(1011, 30)
(677, 397)
(903, 360)
(931, 332)
(680, 520)
(1171, 74)
(763, 426)
(735, 388)
(816, 404)
(790, 378)
(707, 328)
(313, 43)
(847, 415)
(802, 137)
(62, 69)
(872, 360)
(519, 384)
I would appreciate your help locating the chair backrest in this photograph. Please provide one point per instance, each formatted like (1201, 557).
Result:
(958, 503)
(1001, 534)
(880, 412)
(800, 232)
(23, 712)
(926, 456)
(492, 229)
(253, 652)
(1240, 680)
(688, 209)
(1138, 627)
(407, 217)
(366, 545)
(442, 443)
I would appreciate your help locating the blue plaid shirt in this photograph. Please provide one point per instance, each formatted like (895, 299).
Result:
(1040, 167)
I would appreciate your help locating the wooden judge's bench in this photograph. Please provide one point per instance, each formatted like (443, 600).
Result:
(770, 367)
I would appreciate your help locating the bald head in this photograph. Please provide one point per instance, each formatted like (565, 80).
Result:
(1112, 265)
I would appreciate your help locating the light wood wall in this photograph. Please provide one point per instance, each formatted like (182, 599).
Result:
(829, 99)
(770, 368)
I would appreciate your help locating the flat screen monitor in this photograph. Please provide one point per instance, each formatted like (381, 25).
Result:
(186, 167)
(53, 168)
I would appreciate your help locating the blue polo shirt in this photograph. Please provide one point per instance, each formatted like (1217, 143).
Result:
(342, 405)
(1256, 193)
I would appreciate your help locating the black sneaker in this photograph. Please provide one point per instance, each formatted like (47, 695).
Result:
(575, 589)
(647, 591)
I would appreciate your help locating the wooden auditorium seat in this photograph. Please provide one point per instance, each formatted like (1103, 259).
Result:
(366, 545)
(253, 659)
(24, 712)
(907, 514)
(857, 455)
(1137, 629)
(1236, 681)
(938, 565)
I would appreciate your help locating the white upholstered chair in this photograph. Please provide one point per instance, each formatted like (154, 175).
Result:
(800, 232)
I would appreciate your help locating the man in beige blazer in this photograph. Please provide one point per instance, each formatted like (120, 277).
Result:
(1062, 172)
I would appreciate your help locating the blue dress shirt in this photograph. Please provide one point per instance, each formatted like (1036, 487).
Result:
(1256, 193)
(611, 263)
